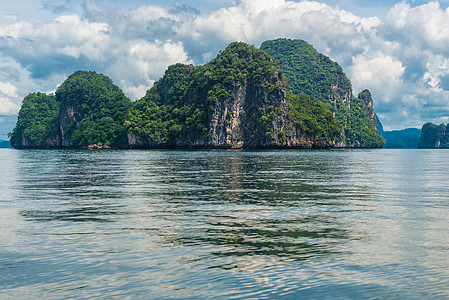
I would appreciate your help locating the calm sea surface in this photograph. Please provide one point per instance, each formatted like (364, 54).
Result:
(216, 224)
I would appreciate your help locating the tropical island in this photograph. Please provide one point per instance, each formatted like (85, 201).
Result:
(284, 95)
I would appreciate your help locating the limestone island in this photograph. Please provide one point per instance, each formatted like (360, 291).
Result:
(285, 95)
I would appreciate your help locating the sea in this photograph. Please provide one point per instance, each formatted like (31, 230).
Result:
(184, 224)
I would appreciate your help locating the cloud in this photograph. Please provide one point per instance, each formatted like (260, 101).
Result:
(381, 73)
(402, 58)
(55, 47)
(57, 7)
(143, 62)
(8, 72)
(124, 50)
(9, 99)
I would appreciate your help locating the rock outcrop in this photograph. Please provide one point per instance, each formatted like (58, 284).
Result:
(36, 124)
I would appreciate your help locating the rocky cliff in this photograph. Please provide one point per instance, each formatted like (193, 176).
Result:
(312, 73)
(238, 100)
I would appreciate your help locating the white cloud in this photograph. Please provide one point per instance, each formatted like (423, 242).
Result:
(148, 13)
(381, 73)
(9, 99)
(139, 63)
(426, 26)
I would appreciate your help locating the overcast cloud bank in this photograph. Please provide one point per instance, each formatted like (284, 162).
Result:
(402, 58)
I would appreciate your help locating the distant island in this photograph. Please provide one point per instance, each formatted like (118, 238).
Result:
(286, 95)
(434, 136)
(400, 139)
(5, 144)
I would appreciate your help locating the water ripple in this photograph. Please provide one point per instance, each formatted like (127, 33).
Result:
(217, 224)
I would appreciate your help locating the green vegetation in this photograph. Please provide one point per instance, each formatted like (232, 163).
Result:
(242, 84)
(308, 71)
(99, 109)
(434, 136)
(179, 106)
(312, 118)
(87, 109)
(360, 131)
(37, 119)
(172, 108)
(314, 74)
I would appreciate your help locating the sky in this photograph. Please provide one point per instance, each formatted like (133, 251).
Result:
(396, 49)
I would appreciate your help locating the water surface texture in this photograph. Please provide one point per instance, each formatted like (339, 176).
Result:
(217, 224)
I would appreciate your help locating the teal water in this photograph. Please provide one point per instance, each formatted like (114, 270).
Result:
(216, 224)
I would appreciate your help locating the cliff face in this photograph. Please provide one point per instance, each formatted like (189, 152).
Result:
(337, 95)
(312, 73)
(69, 119)
(239, 100)
(365, 95)
(241, 121)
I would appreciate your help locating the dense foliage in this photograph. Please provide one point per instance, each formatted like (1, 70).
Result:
(314, 74)
(360, 130)
(313, 118)
(308, 71)
(100, 109)
(434, 136)
(37, 119)
(179, 106)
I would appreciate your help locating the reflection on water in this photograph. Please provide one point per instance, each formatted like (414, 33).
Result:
(208, 224)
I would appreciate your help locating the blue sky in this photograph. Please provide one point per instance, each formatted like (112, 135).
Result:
(397, 49)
